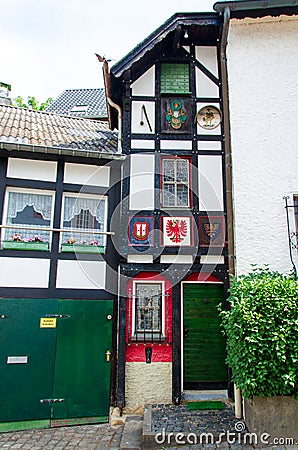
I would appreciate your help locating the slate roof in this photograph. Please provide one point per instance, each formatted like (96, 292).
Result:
(88, 103)
(41, 129)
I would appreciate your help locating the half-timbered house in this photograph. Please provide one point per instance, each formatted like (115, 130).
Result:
(165, 97)
(58, 268)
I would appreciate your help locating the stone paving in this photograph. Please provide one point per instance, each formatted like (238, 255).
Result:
(194, 425)
(83, 437)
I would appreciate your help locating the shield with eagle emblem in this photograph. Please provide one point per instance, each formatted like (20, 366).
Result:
(176, 231)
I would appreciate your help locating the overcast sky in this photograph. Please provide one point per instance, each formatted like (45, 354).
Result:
(48, 46)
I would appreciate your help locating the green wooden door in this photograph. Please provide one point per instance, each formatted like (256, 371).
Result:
(27, 354)
(203, 342)
(56, 368)
(82, 374)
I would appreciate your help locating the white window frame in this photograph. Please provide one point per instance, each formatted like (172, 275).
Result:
(88, 196)
(175, 183)
(27, 191)
(156, 334)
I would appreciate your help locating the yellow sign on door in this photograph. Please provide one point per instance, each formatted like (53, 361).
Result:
(48, 322)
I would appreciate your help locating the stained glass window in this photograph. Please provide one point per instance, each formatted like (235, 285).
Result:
(175, 182)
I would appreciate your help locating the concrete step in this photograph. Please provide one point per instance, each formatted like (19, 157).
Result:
(196, 396)
(132, 433)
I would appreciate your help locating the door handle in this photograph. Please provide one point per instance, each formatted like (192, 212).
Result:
(108, 356)
(185, 334)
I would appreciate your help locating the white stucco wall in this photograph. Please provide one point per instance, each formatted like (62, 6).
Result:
(263, 86)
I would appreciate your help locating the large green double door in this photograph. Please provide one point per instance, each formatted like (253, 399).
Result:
(203, 342)
(53, 363)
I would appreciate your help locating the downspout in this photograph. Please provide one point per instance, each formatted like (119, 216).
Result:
(228, 169)
(107, 82)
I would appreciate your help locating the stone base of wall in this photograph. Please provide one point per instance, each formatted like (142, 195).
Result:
(277, 416)
(147, 384)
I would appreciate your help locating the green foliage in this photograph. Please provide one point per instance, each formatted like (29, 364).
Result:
(262, 333)
(32, 103)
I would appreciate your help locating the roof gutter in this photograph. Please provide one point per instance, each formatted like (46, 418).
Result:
(249, 5)
(228, 168)
(107, 82)
(65, 151)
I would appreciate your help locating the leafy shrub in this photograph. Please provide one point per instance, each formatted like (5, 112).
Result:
(262, 333)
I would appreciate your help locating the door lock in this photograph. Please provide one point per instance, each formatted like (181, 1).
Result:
(185, 334)
(108, 356)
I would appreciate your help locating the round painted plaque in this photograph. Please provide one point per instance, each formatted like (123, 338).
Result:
(208, 117)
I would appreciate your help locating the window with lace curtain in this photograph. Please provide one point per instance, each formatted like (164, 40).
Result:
(28, 212)
(84, 213)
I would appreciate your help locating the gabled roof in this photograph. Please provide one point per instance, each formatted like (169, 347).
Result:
(53, 132)
(206, 20)
(88, 103)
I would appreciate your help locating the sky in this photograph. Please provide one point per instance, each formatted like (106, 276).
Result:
(47, 46)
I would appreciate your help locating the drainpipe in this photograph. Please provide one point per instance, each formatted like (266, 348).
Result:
(228, 170)
(107, 81)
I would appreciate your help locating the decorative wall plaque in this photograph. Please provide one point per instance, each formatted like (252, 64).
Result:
(208, 117)
(140, 231)
(175, 115)
(176, 231)
(212, 231)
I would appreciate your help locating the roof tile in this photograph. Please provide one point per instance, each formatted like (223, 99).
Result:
(53, 130)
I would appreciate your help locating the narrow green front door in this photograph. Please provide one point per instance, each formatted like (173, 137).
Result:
(27, 354)
(82, 372)
(203, 342)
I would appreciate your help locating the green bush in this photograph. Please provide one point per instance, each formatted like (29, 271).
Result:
(262, 333)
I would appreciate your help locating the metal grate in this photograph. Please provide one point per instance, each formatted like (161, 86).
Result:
(174, 78)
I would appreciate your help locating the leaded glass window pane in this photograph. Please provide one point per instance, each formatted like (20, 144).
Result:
(168, 170)
(182, 195)
(175, 187)
(148, 301)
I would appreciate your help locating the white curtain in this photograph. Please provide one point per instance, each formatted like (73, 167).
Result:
(17, 202)
(73, 206)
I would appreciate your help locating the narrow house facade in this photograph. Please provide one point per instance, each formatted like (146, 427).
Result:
(174, 246)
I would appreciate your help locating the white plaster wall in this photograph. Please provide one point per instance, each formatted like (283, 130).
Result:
(210, 183)
(263, 86)
(147, 383)
(145, 85)
(31, 169)
(140, 259)
(81, 274)
(141, 182)
(86, 174)
(207, 55)
(175, 145)
(24, 272)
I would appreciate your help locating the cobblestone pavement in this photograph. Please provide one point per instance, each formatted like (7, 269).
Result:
(83, 437)
(169, 419)
(173, 418)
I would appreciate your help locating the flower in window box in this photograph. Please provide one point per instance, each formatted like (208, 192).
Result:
(71, 241)
(36, 238)
(16, 237)
(94, 242)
